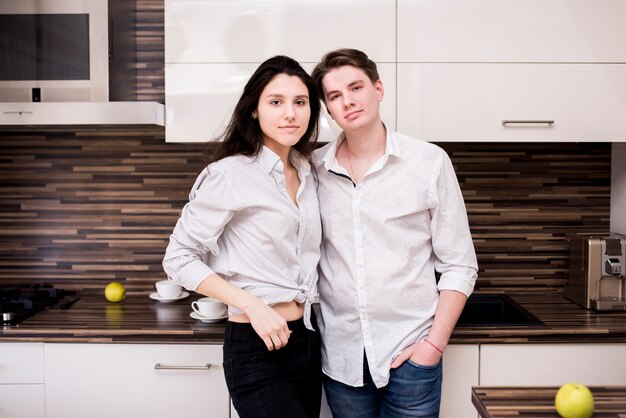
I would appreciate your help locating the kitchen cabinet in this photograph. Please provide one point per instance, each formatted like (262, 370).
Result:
(469, 102)
(133, 380)
(558, 31)
(201, 97)
(465, 67)
(460, 373)
(254, 30)
(212, 48)
(552, 364)
(22, 380)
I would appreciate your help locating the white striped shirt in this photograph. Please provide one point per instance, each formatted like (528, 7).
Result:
(241, 223)
(384, 238)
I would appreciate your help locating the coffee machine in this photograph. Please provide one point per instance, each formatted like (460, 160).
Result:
(596, 271)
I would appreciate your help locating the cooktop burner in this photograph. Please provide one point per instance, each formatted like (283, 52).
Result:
(19, 303)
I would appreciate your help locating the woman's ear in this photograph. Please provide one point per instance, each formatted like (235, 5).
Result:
(254, 116)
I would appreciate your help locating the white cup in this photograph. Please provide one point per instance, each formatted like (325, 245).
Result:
(209, 308)
(167, 289)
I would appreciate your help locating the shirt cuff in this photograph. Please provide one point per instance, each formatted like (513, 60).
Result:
(193, 274)
(463, 284)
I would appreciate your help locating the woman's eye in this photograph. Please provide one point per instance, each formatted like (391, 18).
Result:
(301, 102)
(275, 102)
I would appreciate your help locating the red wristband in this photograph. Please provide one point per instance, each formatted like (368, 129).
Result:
(434, 346)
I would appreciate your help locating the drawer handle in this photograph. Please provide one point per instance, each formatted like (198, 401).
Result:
(159, 366)
(528, 122)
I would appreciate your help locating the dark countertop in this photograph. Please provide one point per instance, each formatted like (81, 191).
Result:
(139, 319)
(538, 402)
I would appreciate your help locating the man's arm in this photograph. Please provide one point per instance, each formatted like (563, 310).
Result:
(428, 353)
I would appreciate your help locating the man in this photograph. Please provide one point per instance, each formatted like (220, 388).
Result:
(392, 214)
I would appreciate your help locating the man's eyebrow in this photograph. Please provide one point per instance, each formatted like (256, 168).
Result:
(349, 85)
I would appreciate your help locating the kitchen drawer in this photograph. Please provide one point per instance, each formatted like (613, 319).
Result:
(511, 31)
(468, 102)
(254, 30)
(201, 97)
(552, 364)
(21, 363)
(104, 380)
(22, 401)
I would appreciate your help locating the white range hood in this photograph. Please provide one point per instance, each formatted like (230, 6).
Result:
(81, 113)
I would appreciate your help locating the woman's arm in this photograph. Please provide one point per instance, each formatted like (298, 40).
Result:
(268, 324)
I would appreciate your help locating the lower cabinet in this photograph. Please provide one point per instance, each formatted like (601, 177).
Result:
(552, 364)
(135, 380)
(460, 373)
(22, 380)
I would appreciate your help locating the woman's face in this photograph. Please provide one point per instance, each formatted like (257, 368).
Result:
(283, 112)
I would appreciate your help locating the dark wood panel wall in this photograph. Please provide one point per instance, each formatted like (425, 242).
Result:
(81, 208)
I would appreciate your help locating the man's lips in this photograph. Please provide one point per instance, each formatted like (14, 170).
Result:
(351, 115)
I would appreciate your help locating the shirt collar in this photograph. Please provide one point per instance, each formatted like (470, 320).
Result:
(269, 159)
(391, 148)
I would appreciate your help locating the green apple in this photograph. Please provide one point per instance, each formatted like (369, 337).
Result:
(114, 292)
(574, 401)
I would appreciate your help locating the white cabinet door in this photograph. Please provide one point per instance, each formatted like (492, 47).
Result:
(469, 102)
(22, 380)
(254, 30)
(511, 31)
(552, 364)
(460, 373)
(200, 99)
(22, 401)
(21, 363)
(120, 380)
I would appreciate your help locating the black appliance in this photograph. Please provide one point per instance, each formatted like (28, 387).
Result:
(19, 303)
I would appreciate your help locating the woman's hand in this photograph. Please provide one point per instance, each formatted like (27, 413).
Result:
(269, 325)
(421, 353)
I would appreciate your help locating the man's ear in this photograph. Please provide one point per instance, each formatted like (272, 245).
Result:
(380, 90)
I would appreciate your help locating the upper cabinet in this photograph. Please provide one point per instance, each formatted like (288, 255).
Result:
(512, 102)
(213, 47)
(554, 31)
(453, 70)
(252, 30)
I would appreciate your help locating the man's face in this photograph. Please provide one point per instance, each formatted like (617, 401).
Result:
(352, 100)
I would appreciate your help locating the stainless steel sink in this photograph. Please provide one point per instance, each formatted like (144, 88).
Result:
(492, 310)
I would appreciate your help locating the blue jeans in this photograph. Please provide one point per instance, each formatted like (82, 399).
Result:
(412, 391)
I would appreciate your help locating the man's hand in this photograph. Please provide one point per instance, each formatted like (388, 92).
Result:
(421, 353)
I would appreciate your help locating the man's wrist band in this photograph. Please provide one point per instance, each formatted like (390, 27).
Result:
(434, 346)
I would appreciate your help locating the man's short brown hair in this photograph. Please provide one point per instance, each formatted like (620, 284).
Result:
(339, 58)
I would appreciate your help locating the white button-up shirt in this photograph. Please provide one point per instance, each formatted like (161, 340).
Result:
(241, 223)
(383, 240)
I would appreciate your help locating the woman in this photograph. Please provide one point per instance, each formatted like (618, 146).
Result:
(250, 237)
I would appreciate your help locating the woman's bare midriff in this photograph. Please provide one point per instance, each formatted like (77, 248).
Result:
(291, 311)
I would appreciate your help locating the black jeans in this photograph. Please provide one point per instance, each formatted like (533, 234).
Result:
(284, 383)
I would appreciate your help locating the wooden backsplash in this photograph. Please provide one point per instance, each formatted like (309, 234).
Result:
(85, 207)
(82, 208)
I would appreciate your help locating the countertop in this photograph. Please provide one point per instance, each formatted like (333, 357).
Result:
(140, 319)
(538, 402)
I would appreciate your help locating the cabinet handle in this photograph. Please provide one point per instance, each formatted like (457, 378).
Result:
(547, 122)
(159, 366)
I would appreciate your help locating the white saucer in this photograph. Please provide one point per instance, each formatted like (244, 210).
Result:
(196, 315)
(155, 296)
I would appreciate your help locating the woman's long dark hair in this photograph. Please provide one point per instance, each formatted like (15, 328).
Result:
(243, 135)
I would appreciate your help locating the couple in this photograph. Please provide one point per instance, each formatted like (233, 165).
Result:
(377, 212)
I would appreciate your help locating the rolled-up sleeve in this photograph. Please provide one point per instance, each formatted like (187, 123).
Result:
(211, 206)
(451, 237)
